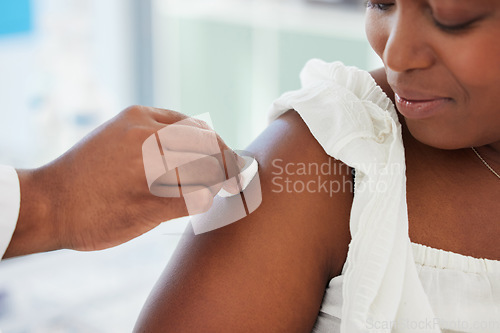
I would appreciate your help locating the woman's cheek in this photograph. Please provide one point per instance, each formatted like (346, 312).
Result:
(375, 34)
(475, 61)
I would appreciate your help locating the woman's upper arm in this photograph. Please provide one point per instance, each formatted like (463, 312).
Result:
(267, 272)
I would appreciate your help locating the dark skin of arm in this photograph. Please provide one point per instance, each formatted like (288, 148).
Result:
(267, 272)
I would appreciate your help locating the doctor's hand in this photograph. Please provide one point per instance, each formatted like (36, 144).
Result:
(98, 195)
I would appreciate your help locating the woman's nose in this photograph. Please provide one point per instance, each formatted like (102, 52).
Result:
(407, 48)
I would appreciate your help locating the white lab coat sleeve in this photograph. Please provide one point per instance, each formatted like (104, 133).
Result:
(10, 200)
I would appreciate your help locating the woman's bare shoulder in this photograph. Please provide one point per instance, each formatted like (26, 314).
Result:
(268, 271)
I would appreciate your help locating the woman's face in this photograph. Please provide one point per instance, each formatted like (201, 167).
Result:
(442, 59)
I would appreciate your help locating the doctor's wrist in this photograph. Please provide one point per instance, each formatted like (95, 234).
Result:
(36, 229)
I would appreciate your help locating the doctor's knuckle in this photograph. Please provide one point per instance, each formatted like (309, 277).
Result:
(134, 110)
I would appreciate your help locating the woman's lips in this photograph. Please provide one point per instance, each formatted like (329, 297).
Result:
(420, 108)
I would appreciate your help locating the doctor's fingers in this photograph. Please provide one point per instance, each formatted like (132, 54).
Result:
(175, 159)
(168, 117)
(179, 132)
(177, 137)
(196, 199)
(167, 186)
(189, 138)
(192, 168)
(227, 163)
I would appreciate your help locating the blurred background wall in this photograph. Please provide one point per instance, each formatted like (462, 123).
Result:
(233, 58)
(66, 66)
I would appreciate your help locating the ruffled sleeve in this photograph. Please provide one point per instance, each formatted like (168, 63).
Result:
(355, 122)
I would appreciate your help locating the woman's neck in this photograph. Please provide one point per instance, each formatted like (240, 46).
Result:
(491, 153)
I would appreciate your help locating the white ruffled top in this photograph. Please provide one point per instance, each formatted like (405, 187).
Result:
(388, 284)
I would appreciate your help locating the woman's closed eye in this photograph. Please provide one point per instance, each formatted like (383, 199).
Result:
(442, 24)
(456, 27)
(379, 5)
